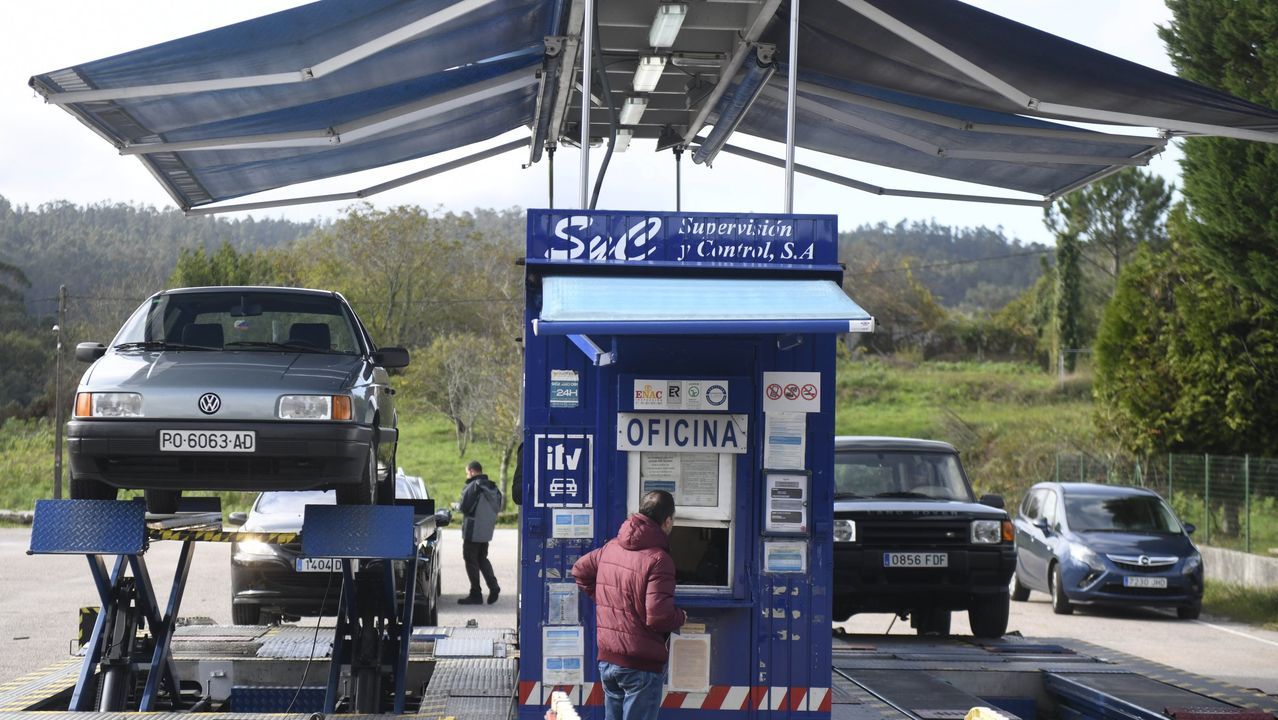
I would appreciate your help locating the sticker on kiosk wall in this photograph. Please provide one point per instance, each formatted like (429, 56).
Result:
(573, 523)
(792, 392)
(565, 389)
(562, 469)
(680, 394)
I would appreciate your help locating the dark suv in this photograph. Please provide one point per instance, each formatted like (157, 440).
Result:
(910, 538)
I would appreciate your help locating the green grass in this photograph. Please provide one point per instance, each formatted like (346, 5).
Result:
(1254, 606)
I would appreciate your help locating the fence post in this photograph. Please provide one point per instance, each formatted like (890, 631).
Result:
(1247, 497)
(1207, 496)
(1170, 495)
(1058, 466)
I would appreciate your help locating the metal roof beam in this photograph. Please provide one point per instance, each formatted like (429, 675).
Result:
(370, 190)
(567, 72)
(749, 36)
(357, 130)
(318, 70)
(875, 189)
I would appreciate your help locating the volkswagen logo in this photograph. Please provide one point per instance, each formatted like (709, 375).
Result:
(1143, 560)
(210, 403)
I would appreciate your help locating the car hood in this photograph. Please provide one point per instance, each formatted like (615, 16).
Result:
(274, 523)
(194, 368)
(1125, 543)
(919, 508)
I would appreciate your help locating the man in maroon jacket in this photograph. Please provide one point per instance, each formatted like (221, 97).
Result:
(632, 581)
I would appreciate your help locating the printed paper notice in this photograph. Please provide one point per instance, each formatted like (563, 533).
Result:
(561, 670)
(573, 523)
(561, 603)
(789, 556)
(690, 663)
(562, 641)
(786, 503)
(699, 481)
(785, 440)
(791, 392)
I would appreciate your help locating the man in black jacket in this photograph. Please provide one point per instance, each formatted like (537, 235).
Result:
(480, 501)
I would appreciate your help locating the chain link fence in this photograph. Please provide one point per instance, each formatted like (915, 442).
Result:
(1232, 501)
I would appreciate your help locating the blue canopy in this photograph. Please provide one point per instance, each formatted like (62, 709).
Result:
(674, 306)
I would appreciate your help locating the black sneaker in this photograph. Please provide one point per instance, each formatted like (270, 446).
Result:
(471, 600)
(492, 595)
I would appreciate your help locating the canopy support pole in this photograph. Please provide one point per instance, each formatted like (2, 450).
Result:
(792, 67)
(678, 155)
(587, 48)
(550, 185)
(598, 356)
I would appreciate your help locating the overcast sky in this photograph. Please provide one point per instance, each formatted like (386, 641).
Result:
(45, 154)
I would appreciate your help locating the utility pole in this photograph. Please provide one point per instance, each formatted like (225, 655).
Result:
(57, 394)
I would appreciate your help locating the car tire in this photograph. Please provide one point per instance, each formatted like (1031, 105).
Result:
(1189, 612)
(86, 489)
(386, 485)
(932, 621)
(1055, 585)
(363, 492)
(242, 614)
(1020, 593)
(987, 616)
(162, 502)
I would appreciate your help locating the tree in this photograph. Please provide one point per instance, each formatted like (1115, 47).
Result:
(1113, 216)
(1185, 361)
(1231, 184)
(195, 268)
(1069, 300)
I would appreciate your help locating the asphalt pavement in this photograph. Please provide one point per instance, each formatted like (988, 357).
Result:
(40, 598)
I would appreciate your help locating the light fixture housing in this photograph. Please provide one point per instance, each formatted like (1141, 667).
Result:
(665, 26)
(632, 109)
(648, 73)
(622, 141)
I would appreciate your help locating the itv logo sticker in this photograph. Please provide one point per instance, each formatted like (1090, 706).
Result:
(564, 469)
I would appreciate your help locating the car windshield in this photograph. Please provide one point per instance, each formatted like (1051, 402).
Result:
(1125, 513)
(292, 502)
(870, 474)
(250, 320)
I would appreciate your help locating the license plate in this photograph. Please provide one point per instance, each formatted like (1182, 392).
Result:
(323, 565)
(230, 441)
(1140, 581)
(916, 559)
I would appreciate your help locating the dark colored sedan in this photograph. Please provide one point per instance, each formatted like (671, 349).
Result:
(1085, 544)
(271, 582)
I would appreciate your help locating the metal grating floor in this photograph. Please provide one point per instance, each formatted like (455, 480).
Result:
(474, 677)
(480, 708)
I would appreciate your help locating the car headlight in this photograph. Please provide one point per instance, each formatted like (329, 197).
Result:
(845, 531)
(314, 407)
(987, 532)
(256, 548)
(108, 404)
(1192, 563)
(1084, 555)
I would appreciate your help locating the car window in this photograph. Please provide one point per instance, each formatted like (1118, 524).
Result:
(900, 474)
(258, 320)
(1030, 507)
(1048, 509)
(1124, 513)
(292, 502)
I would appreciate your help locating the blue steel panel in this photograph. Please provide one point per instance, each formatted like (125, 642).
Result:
(89, 527)
(358, 531)
(610, 237)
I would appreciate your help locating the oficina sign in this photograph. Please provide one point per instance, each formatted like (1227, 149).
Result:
(681, 238)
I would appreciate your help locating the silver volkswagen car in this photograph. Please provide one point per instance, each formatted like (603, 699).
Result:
(236, 388)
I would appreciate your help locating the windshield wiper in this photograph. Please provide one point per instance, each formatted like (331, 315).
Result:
(287, 347)
(158, 345)
(845, 495)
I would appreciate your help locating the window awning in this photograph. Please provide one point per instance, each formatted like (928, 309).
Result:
(701, 306)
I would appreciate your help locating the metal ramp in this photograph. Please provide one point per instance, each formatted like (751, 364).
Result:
(475, 688)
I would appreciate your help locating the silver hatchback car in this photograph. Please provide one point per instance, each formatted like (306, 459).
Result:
(236, 388)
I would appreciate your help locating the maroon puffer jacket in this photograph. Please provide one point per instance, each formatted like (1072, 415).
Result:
(632, 581)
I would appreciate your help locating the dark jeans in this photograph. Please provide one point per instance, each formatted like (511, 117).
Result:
(630, 694)
(476, 556)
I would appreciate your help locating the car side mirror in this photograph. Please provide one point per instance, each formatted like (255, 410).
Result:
(443, 518)
(1042, 525)
(391, 357)
(237, 518)
(994, 501)
(1190, 528)
(89, 351)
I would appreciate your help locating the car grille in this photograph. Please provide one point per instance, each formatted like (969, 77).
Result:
(195, 466)
(1152, 564)
(897, 534)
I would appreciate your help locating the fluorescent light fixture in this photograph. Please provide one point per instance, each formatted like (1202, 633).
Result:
(665, 27)
(632, 109)
(623, 139)
(648, 73)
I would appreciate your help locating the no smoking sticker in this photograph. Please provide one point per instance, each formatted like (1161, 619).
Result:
(791, 392)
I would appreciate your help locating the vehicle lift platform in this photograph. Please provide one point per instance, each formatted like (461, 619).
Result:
(370, 660)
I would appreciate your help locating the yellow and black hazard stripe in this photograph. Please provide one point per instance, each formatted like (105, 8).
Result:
(226, 536)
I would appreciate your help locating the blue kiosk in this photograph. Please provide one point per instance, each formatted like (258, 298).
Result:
(694, 353)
